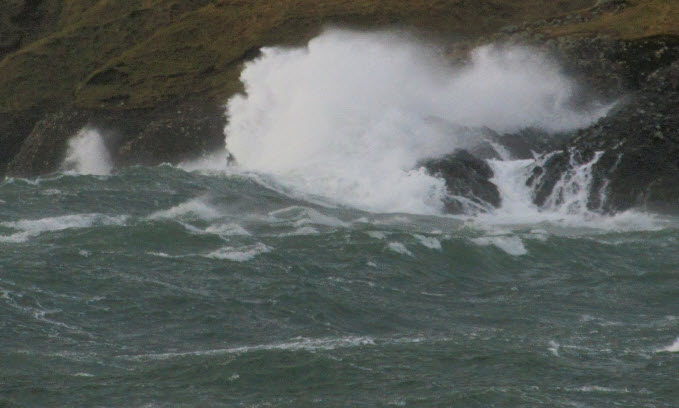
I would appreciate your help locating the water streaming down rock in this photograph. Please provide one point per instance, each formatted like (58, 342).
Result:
(567, 198)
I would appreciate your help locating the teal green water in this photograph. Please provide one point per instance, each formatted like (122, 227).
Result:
(161, 288)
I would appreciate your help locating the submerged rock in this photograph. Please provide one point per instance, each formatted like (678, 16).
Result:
(468, 182)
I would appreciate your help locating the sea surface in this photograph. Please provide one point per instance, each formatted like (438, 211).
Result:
(160, 287)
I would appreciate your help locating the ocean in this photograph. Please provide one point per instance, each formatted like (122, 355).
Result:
(161, 287)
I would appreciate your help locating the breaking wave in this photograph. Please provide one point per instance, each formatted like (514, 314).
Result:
(350, 116)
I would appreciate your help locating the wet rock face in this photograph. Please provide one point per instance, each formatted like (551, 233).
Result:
(638, 165)
(643, 164)
(485, 143)
(467, 180)
(167, 134)
(175, 134)
(13, 131)
(610, 68)
(46, 145)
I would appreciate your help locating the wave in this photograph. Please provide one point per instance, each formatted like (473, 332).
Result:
(509, 244)
(198, 207)
(673, 348)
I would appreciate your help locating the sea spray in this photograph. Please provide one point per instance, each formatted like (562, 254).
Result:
(350, 116)
(87, 154)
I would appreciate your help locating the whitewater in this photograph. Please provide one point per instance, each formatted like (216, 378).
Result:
(312, 263)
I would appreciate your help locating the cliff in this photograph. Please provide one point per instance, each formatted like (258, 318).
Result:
(146, 67)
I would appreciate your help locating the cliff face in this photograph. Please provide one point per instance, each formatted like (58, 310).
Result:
(136, 54)
(24, 21)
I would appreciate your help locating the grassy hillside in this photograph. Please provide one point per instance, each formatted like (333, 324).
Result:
(638, 19)
(137, 53)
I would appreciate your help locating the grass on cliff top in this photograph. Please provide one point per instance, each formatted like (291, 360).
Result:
(137, 53)
(641, 18)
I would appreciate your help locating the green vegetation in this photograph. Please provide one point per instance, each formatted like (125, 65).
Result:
(138, 53)
(639, 19)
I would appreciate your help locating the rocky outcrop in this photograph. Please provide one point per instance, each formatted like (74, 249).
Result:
(14, 129)
(607, 68)
(46, 144)
(637, 165)
(468, 182)
(170, 133)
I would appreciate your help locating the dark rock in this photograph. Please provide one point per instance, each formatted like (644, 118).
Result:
(466, 177)
(485, 143)
(175, 134)
(171, 133)
(14, 128)
(529, 142)
(608, 68)
(45, 146)
(639, 152)
(546, 173)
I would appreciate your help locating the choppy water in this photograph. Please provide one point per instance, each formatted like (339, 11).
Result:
(159, 287)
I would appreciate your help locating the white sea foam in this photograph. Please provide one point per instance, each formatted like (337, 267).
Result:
(351, 115)
(598, 388)
(569, 211)
(377, 234)
(554, 348)
(510, 244)
(673, 348)
(242, 254)
(51, 192)
(87, 154)
(298, 344)
(230, 229)
(302, 231)
(165, 255)
(197, 207)
(399, 248)
(429, 242)
(31, 228)
(302, 216)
